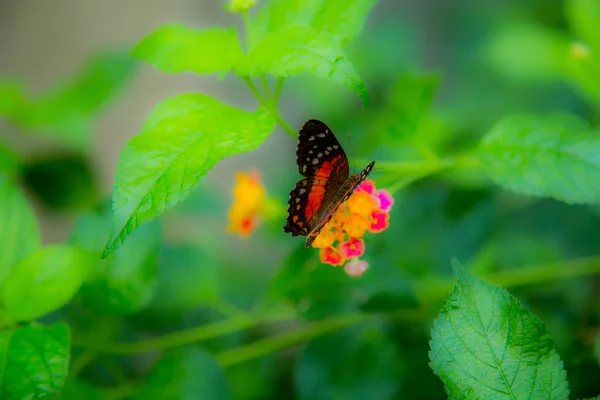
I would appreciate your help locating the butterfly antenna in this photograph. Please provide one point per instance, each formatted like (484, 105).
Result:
(351, 150)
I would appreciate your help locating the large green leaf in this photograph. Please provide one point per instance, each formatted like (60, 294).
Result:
(177, 48)
(343, 19)
(75, 389)
(42, 282)
(486, 345)
(186, 374)
(297, 49)
(355, 363)
(124, 282)
(554, 156)
(275, 15)
(584, 17)
(19, 234)
(34, 361)
(184, 137)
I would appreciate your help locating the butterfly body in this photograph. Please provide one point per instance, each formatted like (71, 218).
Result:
(327, 183)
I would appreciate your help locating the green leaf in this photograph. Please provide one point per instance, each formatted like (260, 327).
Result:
(526, 51)
(42, 282)
(124, 282)
(584, 17)
(34, 361)
(177, 48)
(184, 137)
(552, 156)
(66, 111)
(12, 98)
(75, 389)
(186, 374)
(275, 15)
(10, 161)
(297, 49)
(19, 233)
(188, 277)
(343, 19)
(408, 104)
(486, 345)
(583, 69)
(355, 363)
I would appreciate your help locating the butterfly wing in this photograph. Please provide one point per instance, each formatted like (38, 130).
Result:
(324, 164)
(353, 182)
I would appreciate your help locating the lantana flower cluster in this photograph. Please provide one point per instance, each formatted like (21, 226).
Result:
(248, 199)
(341, 240)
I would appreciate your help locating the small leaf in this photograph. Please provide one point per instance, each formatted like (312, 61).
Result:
(177, 48)
(185, 374)
(124, 282)
(485, 345)
(10, 162)
(34, 361)
(355, 363)
(527, 51)
(297, 49)
(583, 69)
(19, 233)
(12, 98)
(42, 282)
(343, 19)
(408, 104)
(584, 16)
(554, 156)
(184, 137)
(66, 111)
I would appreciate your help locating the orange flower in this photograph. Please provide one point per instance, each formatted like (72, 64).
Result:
(248, 200)
(367, 210)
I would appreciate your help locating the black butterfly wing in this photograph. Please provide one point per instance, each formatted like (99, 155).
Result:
(320, 154)
(323, 162)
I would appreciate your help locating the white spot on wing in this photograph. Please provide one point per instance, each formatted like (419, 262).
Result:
(335, 146)
(311, 138)
(322, 135)
(315, 161)
(319, 155)
(302, 191)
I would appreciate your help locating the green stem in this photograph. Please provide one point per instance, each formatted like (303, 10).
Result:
(272, 108)
(193, 335)
(287, 339)
(267, 89)
(278, 88)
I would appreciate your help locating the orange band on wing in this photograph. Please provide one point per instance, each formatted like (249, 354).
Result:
(315, 198)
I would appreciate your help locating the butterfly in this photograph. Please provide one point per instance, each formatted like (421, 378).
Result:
(327, 181)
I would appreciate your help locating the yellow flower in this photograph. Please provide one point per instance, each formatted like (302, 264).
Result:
(248, 200)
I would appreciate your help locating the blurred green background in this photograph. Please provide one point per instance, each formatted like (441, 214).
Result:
(72, 99)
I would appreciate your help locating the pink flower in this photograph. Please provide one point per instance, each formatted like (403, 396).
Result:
(355, 267)
(386, 201)
(355, 247)
(379, 221)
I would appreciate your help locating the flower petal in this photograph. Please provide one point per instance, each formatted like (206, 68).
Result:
(356, 268)
(354, 247)
(386, 201)
(330, 255)
(379, 221)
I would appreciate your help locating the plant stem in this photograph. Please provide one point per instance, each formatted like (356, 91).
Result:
(193, 335)
(287, 339)
(272, 108)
